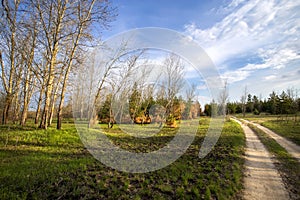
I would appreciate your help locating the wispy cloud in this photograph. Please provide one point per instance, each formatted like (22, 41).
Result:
(266, 30)
(252, 25)
(271, 77)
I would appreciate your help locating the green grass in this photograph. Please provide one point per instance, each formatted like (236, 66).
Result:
(288, 167)
(257, 118)
(43, 164)
(288, 129)
(280, 124)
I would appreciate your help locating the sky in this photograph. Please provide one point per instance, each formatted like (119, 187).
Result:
(253, 44)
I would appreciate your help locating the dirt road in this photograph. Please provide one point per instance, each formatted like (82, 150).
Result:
(291, 147)
(262, 180)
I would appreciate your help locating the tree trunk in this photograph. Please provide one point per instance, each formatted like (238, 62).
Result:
(62, 99)
(52, 110)
(53, 105)
(48, 93)
(26, 100)
(16, 109)
(38, 109)
(24, 114)
(6, 109)
(45, 115)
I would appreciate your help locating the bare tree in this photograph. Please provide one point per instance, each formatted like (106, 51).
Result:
(38, 38)
(39, 72)
(108, 68)
(51, 16)
(53, 102)
(174, 79)
(129, 72)
(16, 102)
(8, 52)
(223, 99)
(190, 95)
(244, 100)
(28, 54)
(86, 14)
(65, 27)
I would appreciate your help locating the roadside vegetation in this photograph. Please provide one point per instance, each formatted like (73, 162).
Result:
(283, 125)
(53, 163)
(287, 129)
(288, 167)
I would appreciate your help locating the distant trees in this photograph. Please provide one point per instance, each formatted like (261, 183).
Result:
(287, 102)
(232, 108)
(159, 100)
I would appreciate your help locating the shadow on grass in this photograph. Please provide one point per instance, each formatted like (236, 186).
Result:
(68, 171)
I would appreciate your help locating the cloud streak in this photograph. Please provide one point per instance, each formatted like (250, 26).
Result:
(269, 30)
(265, 31)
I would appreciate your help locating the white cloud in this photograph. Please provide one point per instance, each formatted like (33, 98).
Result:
(202, 87)
(271, 77)
(253, 25)
(269, 30)
(235, 76)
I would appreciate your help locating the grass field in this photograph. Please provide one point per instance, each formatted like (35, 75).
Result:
(287, 129)
(43, 164)
(288, 167)
(284, 126)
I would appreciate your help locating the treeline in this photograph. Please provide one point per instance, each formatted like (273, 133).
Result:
(41, 45)
(287, 102)
(145, 109)
(131, 90)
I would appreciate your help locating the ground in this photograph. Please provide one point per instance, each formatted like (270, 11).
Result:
(49, 163)
(43, 164)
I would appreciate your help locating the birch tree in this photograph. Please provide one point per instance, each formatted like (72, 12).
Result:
(85, 14)
(8, 52)
(65, 28)
(28, 74)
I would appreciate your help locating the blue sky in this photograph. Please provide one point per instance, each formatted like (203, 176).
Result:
(253, 43)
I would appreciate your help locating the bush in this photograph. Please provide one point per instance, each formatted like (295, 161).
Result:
(256, 112)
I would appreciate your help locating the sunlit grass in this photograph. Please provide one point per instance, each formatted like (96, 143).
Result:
(288, 129)
(284, 125)
(54, 164)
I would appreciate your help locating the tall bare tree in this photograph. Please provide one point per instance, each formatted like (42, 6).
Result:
(223, 99)
(244, 101)
(51, 16)
(54, 34)
(28, 54)
(174, 72)
(9, 22)
(85, 14)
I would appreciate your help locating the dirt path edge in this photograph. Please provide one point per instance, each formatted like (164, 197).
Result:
(261, 178)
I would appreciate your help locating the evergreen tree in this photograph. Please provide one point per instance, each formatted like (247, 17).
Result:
(105, 112)
(134, 102)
